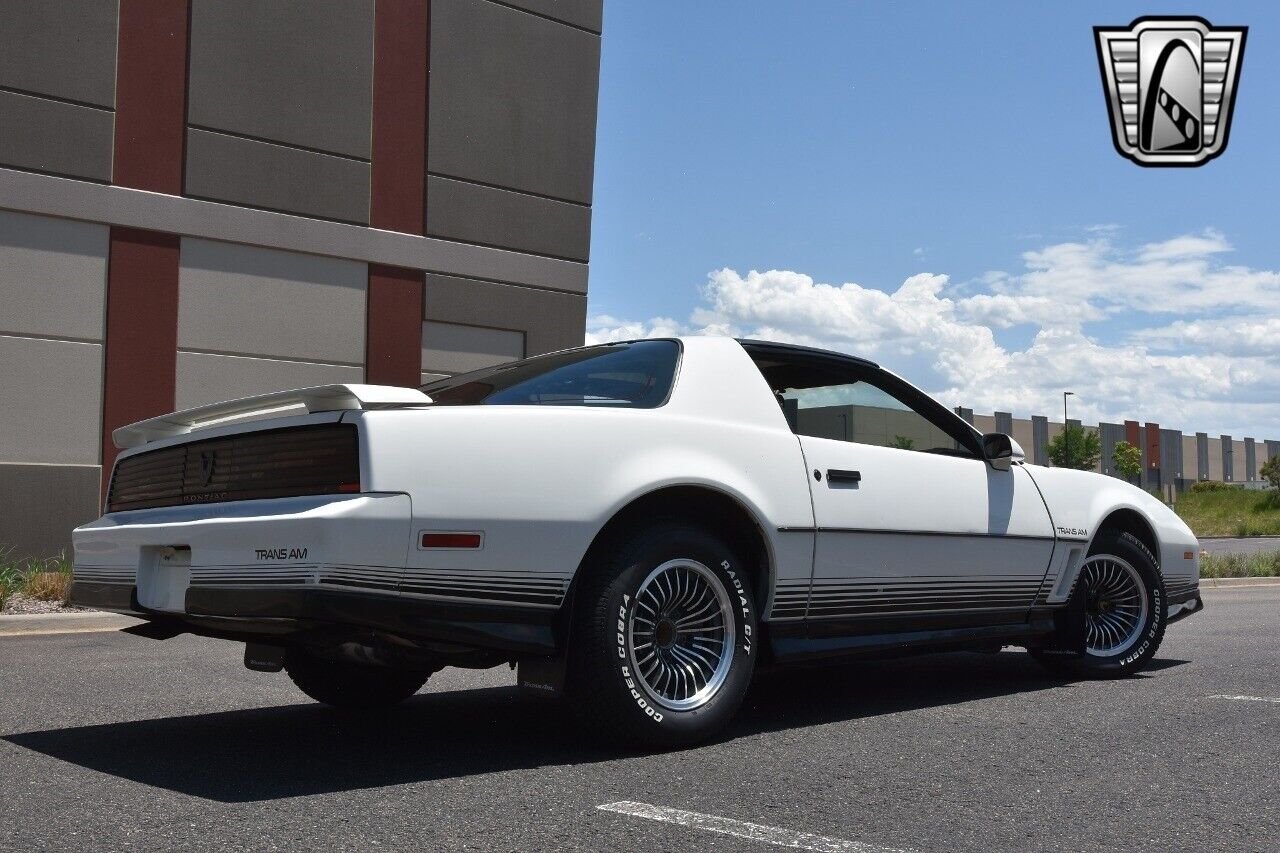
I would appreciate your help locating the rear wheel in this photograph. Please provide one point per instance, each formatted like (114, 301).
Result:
(1124, 610)
(351, 685)
(663, 644)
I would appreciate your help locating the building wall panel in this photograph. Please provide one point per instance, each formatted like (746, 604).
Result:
(1039, 453)
(298, 72)
(1109, 436)
(57, 137)
(205, 378)
(1025, 436)
(551, 321)
(250, 301)
(1214, 447)
(53, 276)
(587, 14)
(41, 504)
(50, 400)
(512, 100)
(1171, 461)
(453, 348)
(276, 177)
(61, 48)
(492, 217)
(1190, 458)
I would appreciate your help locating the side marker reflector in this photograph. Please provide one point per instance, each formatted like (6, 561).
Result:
(452, 540)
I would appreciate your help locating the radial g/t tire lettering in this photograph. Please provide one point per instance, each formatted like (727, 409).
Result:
(663, 644)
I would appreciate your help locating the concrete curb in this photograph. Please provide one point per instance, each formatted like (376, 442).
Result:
(1218, 583)
(28, 624)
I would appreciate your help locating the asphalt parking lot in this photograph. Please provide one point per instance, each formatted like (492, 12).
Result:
(110, 742)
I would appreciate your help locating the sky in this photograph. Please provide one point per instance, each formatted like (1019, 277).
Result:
(934, 186)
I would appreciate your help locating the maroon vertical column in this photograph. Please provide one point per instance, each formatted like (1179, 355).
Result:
(1153, 449)
(393, 330)
(140, 363)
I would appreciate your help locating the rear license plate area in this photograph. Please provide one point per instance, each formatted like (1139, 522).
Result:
(164, 573)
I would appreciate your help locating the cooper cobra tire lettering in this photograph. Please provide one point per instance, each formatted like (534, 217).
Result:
(1129, 548)
(606, 680)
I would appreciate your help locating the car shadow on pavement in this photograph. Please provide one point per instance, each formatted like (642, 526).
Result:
(297, 750)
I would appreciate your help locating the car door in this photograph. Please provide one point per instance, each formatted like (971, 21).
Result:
(913, 529)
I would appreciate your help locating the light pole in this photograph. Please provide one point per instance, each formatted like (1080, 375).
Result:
(1066, 433)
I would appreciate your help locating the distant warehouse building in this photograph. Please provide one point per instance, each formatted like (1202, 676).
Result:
(205, 199)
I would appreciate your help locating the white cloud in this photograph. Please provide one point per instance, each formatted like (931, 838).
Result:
(1231, 335)
(1218, 371)
(1187, 246)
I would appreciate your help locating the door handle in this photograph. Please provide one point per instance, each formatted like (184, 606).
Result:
(838, 475)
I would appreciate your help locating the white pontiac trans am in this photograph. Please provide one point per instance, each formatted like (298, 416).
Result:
(637, 525)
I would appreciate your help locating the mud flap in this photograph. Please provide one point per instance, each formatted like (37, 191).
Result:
(544, 676)
(263, 658)
(1069, 626)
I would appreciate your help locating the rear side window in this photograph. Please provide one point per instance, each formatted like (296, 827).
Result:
(636, 375)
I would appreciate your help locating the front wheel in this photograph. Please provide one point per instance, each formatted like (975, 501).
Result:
(664, 643)
(1124, 610)
(352, 686)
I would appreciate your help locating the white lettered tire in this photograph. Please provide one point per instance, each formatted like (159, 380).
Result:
(1125, 611)
(663, 644)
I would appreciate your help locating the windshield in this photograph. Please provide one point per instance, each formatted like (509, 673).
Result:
(634, 375)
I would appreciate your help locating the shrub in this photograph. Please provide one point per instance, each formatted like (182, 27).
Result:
(1271, 472)
(1127, 460)
(47, 579)
(49, 586)
(1211, 486)
(1082, 444)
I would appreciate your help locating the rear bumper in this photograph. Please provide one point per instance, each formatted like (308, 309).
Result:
(285, 614)
(290, 569)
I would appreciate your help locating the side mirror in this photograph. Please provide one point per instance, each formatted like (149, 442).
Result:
(1001, 451)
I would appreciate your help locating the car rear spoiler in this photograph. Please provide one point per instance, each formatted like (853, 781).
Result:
(321, 398)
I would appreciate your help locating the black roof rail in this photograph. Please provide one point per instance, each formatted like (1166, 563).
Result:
(765, 347)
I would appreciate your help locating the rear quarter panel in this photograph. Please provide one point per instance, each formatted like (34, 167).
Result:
(541, 481)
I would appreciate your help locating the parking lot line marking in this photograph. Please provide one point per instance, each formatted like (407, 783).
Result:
(742, 829)
(1247, 698)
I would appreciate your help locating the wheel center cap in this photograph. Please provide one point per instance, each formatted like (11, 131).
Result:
(664, 633)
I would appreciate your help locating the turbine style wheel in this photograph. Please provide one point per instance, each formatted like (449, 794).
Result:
(1124, 610)
(662, 647)
(680, 635)
(1115, 605)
